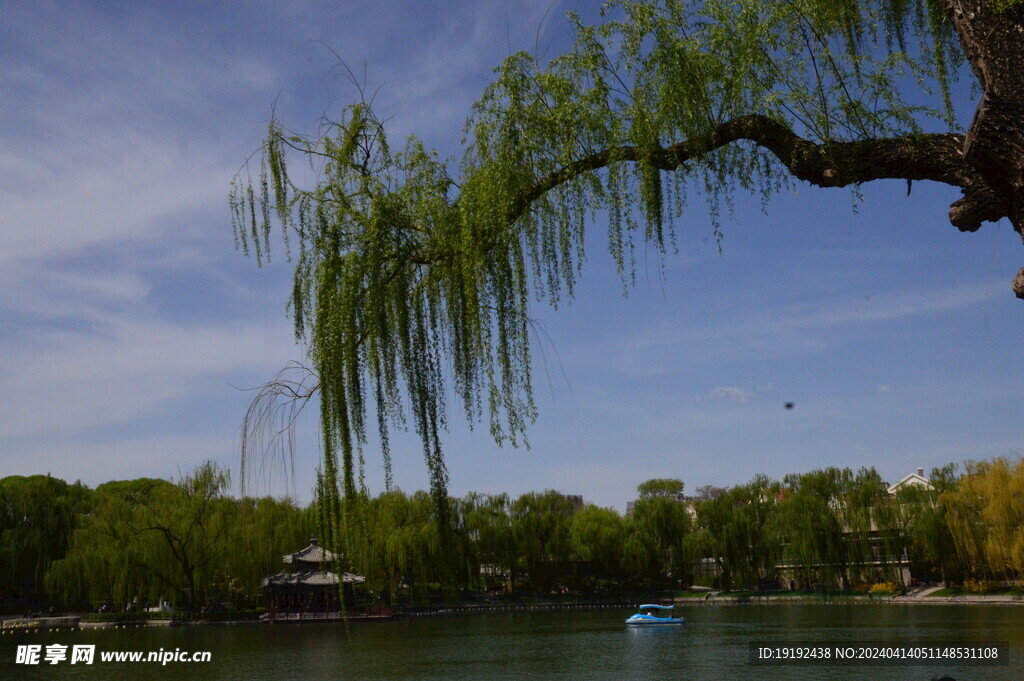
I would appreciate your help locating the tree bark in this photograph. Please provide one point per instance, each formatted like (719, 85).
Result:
(993, 42)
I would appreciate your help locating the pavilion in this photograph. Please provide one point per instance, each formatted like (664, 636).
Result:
(309, 590)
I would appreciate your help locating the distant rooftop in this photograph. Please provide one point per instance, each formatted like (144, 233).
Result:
(314, 554)
(914, 479)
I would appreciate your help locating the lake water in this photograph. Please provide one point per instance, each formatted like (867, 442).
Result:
(576, 644)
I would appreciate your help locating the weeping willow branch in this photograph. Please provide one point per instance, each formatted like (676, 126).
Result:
(268, 428)
(936, 157)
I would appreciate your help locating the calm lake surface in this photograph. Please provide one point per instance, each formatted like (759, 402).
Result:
(573, 644)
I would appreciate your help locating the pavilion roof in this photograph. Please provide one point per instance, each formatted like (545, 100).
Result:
(311, 579)
(314, 553)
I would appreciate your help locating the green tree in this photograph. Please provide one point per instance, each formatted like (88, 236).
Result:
(738, 530)
(661, 487)
(262, 531)
(104, 560)
(398, 543)
(488, 520)
(598, 537)
(873, 533)
(145, 538)
(407, 265)
(38, 514)
(839, 527)
(986, 517)
(925, 515)
(661, 523)
(812, 516)
(542, 534)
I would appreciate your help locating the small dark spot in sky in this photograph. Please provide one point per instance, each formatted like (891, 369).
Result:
(789, 405)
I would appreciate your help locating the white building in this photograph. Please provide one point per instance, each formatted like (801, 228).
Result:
(914, 479)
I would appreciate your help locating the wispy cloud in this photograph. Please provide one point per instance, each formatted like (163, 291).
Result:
(732, 393)
(75, 204)
(787, 330)
(788, 319)
(128, 370)
(38, 293)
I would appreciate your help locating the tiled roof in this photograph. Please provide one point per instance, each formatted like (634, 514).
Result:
(314, 553)
(311, 579)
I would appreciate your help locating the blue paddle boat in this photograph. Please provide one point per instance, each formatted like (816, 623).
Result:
(653, 615)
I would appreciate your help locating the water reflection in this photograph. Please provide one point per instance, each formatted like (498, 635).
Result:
(580, 644)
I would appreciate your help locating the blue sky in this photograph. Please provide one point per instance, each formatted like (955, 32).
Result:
(128, 320)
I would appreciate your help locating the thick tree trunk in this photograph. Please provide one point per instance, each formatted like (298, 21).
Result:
(993, 42)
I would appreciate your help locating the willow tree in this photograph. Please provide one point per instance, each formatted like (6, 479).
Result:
(811, 514)
(487, 519)
(986, 517)
(541, 524)
(398, 543)
(104, 559)
(738, 532)
(38, 515)
(663, 523)
(149, 538)
(261, 531)
(925, 514)
(598, 537)
(410, 268)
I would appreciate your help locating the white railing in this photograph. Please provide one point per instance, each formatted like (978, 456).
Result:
(307, 615)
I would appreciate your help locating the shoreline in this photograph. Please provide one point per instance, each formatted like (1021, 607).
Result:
(845, 600)
(74, 622)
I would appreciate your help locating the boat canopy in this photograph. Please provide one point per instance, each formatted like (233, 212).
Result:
(659, 607)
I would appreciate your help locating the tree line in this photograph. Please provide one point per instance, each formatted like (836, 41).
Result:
(188, 541)
(126, 542)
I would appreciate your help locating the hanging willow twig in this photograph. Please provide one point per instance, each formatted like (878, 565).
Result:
(267, 433)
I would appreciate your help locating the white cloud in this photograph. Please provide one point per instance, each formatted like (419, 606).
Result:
(127, 370)
(39, 293)
(119, 125)
(734, 394)
(75, 203)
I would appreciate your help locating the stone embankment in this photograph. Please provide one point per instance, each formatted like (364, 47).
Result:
(33, 624)
(919, 596)
(510, 607)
